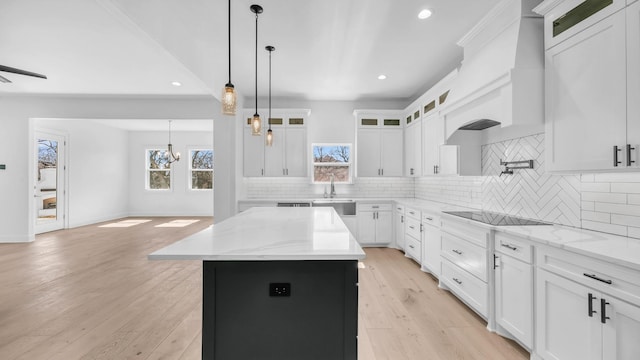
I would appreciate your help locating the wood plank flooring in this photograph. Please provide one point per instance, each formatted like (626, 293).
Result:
(91, 293)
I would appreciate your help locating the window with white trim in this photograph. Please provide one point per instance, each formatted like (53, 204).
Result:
(158, 170)
(332, 159)
(201, 169)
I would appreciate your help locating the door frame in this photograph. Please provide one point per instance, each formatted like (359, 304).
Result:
(63, 161)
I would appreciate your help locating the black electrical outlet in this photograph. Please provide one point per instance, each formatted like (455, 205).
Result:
(3, 166)
(280, 289)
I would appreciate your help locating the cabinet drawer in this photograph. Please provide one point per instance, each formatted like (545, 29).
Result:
(471, 233)
(513, 246)
(431, 219)
(471, 290)
(466, 255)
(400, 209)
(412, 227)
(609, 278)
(413, 248)
(412, 212)
(374, 207)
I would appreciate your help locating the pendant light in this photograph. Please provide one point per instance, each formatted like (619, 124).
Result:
(170, 155)
(256, 123)
(270, 49)
(229, 97)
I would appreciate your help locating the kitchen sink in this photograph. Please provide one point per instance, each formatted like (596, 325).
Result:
(344, 207)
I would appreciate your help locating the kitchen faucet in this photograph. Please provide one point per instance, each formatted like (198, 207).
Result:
(333, 188)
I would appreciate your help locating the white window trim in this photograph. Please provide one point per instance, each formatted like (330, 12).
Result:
(314, 164)
(190, 169)
(148, 170)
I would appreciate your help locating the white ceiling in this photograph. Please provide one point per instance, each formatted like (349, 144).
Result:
(325, 50)
(157, 125)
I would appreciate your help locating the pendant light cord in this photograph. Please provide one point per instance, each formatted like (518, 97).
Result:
(256, 63)
(269, 119)
(229, 42)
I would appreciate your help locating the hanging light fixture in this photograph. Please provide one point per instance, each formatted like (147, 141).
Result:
(270, 49)
(256, 123)
(170, 155)
(229, 97)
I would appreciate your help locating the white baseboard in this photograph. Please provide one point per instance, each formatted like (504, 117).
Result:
(9, 239)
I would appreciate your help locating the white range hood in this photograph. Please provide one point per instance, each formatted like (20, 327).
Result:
(502, 74)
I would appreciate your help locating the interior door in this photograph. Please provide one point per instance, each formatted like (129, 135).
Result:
(49, 188)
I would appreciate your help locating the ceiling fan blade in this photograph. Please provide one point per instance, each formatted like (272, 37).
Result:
(4, 79)
(21, 72)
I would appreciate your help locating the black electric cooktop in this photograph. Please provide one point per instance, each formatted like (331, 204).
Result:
(496, 219)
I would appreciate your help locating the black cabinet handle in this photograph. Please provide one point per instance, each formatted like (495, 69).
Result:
(495, 264)
(458, 281)
(430, 219)
(629, 161)
(615, 156)
(509, 247)
(603, 311)
(402, 218)
(591, 311)
(594, 277)
(457, 251)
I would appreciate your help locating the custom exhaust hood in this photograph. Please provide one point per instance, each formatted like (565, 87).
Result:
(501, 78)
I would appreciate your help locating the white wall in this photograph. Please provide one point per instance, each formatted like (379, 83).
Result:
(180, 200)
(97, 170)
(16, 151)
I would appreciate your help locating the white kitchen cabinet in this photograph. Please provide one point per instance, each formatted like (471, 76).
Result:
(633, 85)
(585, 308)
(399, 226)
(514, 288)
(439, 158)
(253, 154)
(375, 223)
(378, 144)
(431, 243)
(288, 154)
(413, 149)
(413, 234)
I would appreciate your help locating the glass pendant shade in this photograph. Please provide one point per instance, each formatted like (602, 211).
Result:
(269, 137)
(229, 100)
(256, 125)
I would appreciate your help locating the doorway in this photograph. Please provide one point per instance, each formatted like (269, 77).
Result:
(49, 188)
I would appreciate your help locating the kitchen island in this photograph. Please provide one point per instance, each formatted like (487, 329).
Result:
(278, 283)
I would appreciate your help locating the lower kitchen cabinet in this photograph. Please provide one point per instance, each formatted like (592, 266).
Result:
(578, 321)
(413, 234)
(431, 243)
(399, 226)
(375, 224)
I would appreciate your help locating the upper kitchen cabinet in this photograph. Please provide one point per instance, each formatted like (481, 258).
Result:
(413, 146)
(379, 143)
(592, 118)
(288, 154)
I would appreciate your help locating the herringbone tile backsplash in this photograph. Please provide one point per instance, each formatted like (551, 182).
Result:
(529, 193)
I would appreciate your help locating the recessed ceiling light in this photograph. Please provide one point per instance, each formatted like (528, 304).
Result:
(424, 14)
(176, 83)
(382, 77)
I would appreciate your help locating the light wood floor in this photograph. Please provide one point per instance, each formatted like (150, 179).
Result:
(90, 293)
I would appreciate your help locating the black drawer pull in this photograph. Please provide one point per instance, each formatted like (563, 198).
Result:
(457, 251)
(509, 247)
(458, 281)
(603, 311)
(591, 311)
(594, 277)
(411, 246)
(430, 219)
(411, 227)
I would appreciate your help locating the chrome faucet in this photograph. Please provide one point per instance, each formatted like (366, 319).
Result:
(333, 188)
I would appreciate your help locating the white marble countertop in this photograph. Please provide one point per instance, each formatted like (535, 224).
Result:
(611, 248)
(267, 234)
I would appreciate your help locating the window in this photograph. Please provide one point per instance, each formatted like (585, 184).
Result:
(332, 159)
(201, 169)
(158, 170)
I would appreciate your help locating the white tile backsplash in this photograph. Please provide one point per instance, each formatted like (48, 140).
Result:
(292, 188)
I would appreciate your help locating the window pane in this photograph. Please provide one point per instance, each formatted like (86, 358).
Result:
(202, 179)
(158, 159)
(323, 173)
(159, 180)
(331, 154)
(202, 159)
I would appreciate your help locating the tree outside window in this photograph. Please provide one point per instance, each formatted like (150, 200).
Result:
(201, 169)
(158, 170)
(331, 159)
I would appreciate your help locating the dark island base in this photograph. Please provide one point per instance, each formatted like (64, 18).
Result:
(280, 310)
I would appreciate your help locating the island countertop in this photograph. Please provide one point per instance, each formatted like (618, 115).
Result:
(266, 234)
